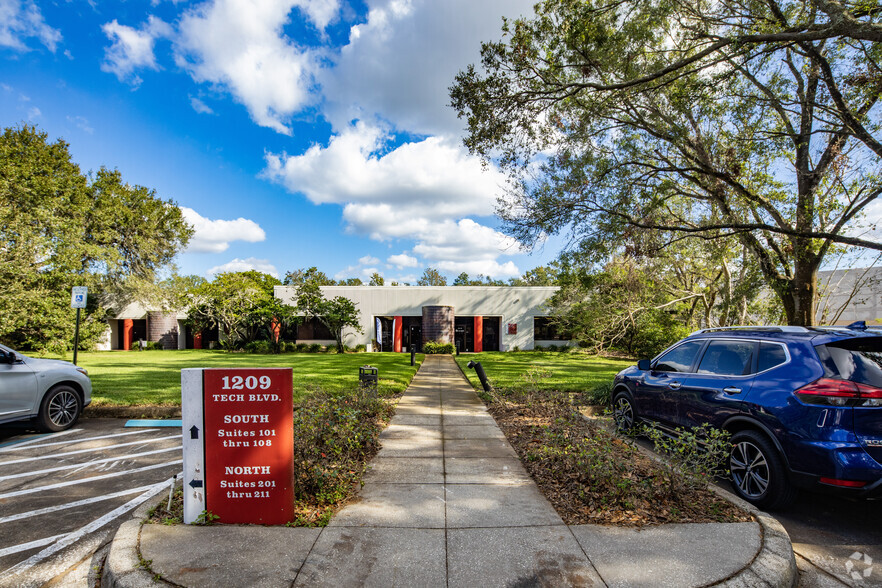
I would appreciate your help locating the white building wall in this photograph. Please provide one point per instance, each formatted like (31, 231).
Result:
(514, 305)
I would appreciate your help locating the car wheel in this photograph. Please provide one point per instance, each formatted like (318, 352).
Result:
(624, 414)
(758, 472)
(60, 409)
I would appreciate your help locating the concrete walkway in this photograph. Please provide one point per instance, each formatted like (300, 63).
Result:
(447, 503)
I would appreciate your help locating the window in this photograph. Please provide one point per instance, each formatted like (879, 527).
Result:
(770, 355)
(545, 330)
(728, 358)
(313, 329)
(679, 359)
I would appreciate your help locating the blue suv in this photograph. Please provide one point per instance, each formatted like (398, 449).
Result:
(803, 404)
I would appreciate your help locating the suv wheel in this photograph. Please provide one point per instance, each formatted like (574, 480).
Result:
(624, 414)
(758, 473)
(60, 409)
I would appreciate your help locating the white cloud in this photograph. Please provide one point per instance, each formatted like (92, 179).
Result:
(368, 260)
(241, 45)
(214, 236)
(22, 20)
(399, 64)
(132, 48)
(402, 261)
(200, 106)
(34, 113)
(244, 265)
(435, 176)
(81, 123)
(320, 13)
(489, 268)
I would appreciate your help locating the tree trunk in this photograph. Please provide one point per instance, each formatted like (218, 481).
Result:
(800, 295)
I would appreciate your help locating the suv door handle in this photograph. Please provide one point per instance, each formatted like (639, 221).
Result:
(732, 390)
(674, 385)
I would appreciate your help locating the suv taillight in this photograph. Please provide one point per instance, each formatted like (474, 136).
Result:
(831, 392)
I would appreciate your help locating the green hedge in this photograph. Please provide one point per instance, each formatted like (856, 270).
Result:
(435, 348)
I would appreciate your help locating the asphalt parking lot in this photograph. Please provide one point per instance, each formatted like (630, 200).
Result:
(63, 495)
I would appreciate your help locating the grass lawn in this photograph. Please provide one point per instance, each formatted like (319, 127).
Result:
(150, 378)
(570, 372)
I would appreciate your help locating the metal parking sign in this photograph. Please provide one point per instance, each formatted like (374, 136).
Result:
(78, 296)
(238, 444)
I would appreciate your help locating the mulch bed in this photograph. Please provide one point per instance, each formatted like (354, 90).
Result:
(593, 476)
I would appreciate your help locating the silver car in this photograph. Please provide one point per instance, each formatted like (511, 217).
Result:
(51, 392)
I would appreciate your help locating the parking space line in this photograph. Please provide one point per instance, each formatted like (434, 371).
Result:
(71, 538)
(72, 441)
(90, 479)
(30, 545)
(22, 442)
(51, 509)
(88, 463)
(80, 451)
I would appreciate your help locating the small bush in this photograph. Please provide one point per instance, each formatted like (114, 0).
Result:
(360, 348)
(331, 349)
(334, 437)
(695, 456)
(301, 348)
(260, 347)
(600, 395)
(315, 348)
(436, 348)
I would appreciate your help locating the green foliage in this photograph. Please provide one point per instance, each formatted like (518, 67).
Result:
(334, 436)
(360, 348)
(206, 517)
(630, 127)
(242, 306)
(377, 280)
(314, 348)
(694, 457)
(336, 314)
(432, 277)
(599, 395)
(62, 228)
(435, 348)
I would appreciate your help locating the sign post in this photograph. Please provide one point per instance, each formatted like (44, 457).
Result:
(78, 296)
(238, 444)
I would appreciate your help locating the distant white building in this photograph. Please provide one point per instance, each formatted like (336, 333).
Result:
(850, 295)
(477, 318)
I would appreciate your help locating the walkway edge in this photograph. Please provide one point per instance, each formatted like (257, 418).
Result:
(122, 568)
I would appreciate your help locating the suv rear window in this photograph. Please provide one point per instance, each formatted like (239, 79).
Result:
(858, 360)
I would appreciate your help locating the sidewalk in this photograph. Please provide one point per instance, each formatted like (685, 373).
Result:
(447, 503)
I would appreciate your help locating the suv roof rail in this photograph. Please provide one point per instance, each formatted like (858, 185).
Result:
(772, 328)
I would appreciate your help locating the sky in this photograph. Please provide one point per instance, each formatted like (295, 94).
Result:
(292, 133)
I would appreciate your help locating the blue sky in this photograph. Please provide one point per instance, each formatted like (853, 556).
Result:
(292, 133)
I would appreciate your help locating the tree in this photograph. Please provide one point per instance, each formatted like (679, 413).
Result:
(61, 228)
(336, 314)
(538, 276)
(242, 306)
(311, 274)
(432, 277)
(376, 280)
(755, 121)
(351, 282)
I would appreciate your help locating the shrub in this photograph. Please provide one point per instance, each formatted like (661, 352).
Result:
(600, 395)
(260, 347)
(301, 348)
(315, 348)
(334, 437)
(436, 348)
(360, 348)
(330, 349)
(695, 456)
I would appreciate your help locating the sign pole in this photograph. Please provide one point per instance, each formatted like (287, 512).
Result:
(76, 337)
(78, 296)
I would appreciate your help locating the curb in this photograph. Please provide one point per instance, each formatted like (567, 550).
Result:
(774, 564)
(122, 568)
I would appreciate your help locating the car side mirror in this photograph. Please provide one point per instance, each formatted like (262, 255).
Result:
(644, 365)
(9, 357)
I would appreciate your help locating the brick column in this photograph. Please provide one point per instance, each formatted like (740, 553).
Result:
(479, 334)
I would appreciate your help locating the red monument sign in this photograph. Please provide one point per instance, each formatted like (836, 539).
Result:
(248, 432)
